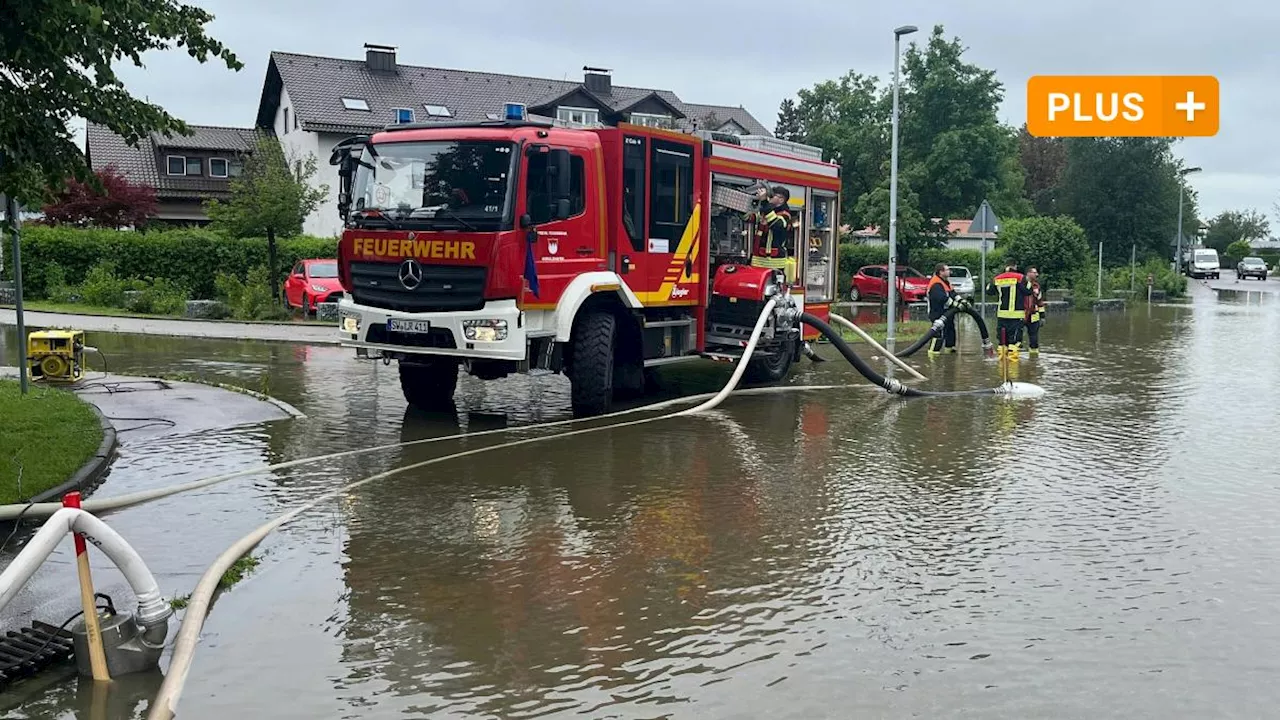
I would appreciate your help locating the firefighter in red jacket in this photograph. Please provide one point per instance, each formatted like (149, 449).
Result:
(1011, 289)
(1033, 311)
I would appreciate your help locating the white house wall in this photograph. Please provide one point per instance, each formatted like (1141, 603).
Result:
(301, 144)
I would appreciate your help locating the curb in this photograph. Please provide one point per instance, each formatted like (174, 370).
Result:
(178, 318)
(286, 407)
(90, 475)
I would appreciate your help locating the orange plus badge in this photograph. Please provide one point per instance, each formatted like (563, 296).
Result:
(1122, 106)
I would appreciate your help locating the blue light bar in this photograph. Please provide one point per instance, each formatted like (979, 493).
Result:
(514, 111)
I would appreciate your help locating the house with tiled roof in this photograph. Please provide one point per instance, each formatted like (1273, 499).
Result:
(311, 103)
(184, 170)
(958, 236)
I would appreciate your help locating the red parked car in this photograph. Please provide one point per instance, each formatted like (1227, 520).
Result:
(312, 282)
(871, 282)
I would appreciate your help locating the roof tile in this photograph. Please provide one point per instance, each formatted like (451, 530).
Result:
(142, 164)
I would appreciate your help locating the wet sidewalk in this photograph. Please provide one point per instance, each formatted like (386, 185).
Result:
(281, 332)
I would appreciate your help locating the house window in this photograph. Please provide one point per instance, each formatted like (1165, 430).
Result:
(633, 187)
(438, 111)
(177, 165)
(235, 168)
(404, 115)
(651, 120)
(538, 192)
(195, 166)
(578, 116)
(218, 167)
(286, 120)
(670, 190)
(355, 104)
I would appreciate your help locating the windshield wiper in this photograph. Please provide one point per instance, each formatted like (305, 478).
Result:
(455, 216)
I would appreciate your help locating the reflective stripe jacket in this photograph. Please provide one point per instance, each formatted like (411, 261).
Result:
(773, 231)
(1012, 291)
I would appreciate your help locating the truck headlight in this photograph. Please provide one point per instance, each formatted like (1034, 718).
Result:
(484, 330)
(350, 323)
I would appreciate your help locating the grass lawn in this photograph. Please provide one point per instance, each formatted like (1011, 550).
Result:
(83, 309)
(910, 330)
(44, 439)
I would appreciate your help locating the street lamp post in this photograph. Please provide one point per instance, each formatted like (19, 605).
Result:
(1182, 191)
(892, 284)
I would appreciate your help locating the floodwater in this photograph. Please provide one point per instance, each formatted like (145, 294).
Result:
(1108, 550)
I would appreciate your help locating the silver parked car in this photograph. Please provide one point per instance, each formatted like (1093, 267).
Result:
(961, 280)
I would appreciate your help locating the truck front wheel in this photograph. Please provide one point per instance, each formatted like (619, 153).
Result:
(428, 383)
(591, 353)
(771, 368)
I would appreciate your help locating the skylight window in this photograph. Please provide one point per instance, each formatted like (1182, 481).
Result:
(437, 111)
(355, 104)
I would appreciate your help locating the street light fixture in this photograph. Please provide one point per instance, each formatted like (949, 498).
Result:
(892, 280)
(1182, 191)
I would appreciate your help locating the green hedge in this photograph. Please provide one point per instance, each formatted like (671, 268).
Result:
(190, 258)
(854, 256)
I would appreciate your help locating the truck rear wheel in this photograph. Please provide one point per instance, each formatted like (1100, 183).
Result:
(770, 368)
(591, 370)
(429, 383)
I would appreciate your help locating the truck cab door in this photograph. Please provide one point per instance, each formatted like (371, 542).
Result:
(663, 219)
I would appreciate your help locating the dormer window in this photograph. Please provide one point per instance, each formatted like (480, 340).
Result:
(438, 111)
(355, 104)
(578, 116)
(404, 115)
(218, 168)
(182, 165)
(651, 120)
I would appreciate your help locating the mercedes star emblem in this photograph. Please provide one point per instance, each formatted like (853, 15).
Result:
(410, 274)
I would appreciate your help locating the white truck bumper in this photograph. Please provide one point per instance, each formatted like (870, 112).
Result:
(497, 331)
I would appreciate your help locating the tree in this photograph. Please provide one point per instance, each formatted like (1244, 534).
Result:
(1057, 246)
(1235, 225)
(1124, 192)
(272, 197)
(788, 127)
(1043, 160)
(1239, 249)
(110, 202)
(56, 62)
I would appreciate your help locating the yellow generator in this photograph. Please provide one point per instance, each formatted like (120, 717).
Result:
(56, 356)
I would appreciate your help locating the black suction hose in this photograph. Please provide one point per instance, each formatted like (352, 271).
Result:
(889, 384)
(936, 329)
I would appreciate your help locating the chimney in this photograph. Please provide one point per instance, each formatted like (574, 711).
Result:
(380, 58)
(597, 80)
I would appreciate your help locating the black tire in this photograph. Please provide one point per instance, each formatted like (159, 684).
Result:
(429, 383)
(591, 369)
(854, 295)
(628, 379)
(770, 368)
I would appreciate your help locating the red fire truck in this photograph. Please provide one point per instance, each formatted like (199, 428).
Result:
(517, 245)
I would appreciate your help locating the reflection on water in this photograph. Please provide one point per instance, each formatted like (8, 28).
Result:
(1103, 551)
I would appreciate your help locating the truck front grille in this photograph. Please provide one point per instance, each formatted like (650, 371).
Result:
(443, 287)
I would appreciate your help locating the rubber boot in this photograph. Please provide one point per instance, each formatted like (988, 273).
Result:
(952, 350)
(1033, 352)
(1001, 350)
(1013, 353)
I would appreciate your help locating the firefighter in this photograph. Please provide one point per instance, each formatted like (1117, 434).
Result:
(772, 247)
(941, 298)
(1010, 287)
(1034, 310)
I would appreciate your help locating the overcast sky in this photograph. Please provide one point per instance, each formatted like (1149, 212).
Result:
(717, 52)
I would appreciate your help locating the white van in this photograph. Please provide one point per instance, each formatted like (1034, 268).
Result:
(1204, 263)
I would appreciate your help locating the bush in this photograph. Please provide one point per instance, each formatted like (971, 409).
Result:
(188, 257)
(160, 296)
(1239, 249)
(249, 299)
(1057, 246)
(101, 287)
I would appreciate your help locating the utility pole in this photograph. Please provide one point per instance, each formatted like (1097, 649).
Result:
(1182, 191)
(15, 225)
(892, 290)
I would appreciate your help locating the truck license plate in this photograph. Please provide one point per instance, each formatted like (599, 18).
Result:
(408, 326)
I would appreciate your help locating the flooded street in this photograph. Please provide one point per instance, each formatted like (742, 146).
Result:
(1105, 551)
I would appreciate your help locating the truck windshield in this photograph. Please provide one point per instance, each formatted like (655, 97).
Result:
(445, 185)
(1206, 256)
